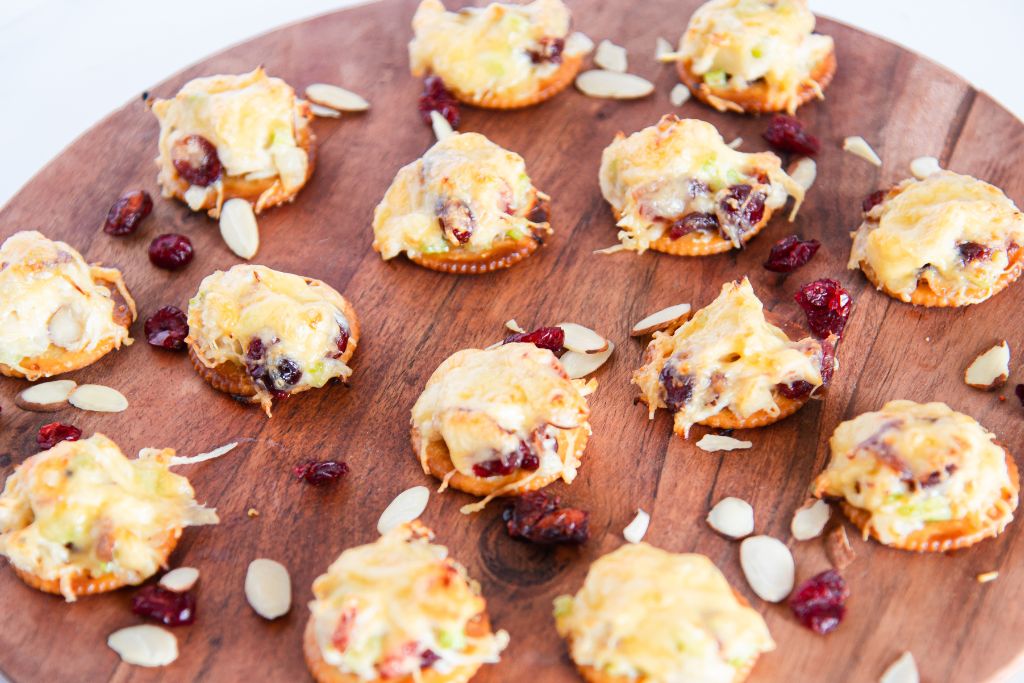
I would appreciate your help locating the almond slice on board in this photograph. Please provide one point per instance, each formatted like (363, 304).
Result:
(922, 167)
(579, 365)
(98, 398)
(663, 47)
(268, 588)
(582, 339)
(613, 85)
(661, 320)
(717, 442)
(442, 129)
(810, 520)
(336, 98)
(637, 529)
(180, 579)
(239, 229)
(46, 397)
(991, 369)
(406, 506)
(732, 517)
(804, 171)
(859, 147)
(679, 95)
(768, 566)
(611, 56)
(511, 324)
(144, 645)
(322, 112)
(903, 670)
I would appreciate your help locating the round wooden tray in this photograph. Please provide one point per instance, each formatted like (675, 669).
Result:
(905, 105)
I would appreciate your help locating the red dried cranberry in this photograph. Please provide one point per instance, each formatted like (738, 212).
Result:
(540, 518)
(170, 251)
(872, 200)
(167, 328)
(1019, 391)
(550, 338)
(456, 220)
(342, 339)
(427, 658)
(524, 458)
(741, 208)
(678, 388)
(786, 133)
(289, 371)
(52, 434)
(820, 602)
(791, 253)
(797, 390)
(127, 213)
(166, 606)
(972, 251)
(436, 97)
(195, 158)
(255, 350)
(548, 50)
(691, 222)
(319, 472)
(827, 306)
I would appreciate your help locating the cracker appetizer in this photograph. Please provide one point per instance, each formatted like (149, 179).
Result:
(920, 476)
(501, 56)
(644, 614)
(81, 518)
(755, 55)
(466, 207)
(729, 367)
(676, 187)
(946, 240)
(244, 136)
(57, 312)
(262, 334)
(501, 421)
(399, 609)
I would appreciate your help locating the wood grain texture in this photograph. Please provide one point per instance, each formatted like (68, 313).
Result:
(413, 318)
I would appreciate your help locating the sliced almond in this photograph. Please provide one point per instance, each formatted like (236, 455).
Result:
(661, 48)
(903, 670)
(735, 144)
(98, 398)
(991, 369)
(679, 95)
(768, 566)
(810, 520)
(578, 44)
(838, 549)
(859, 147)
(987, 576)
(732, 517)
(579, 365)
(717, 442)
(804, 171)
(336, 98)
(922, 167)
(407, 506)
(320, 111)
(611, 57)
(203, 457)
(664, 319)
(144, 645)
(65, 327)
(582, 339)
(442, 129)
(637, 529)
(180, 579)
(613, 85)
(268, 588)
(238, 228)
(46, 397)
(514, 326)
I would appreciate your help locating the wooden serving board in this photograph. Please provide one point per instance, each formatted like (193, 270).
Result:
(412, 319)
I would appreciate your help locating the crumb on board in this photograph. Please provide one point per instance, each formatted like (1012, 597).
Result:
(987, 576)
(253, 513)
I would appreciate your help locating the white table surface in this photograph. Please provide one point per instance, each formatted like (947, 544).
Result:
(67, 63)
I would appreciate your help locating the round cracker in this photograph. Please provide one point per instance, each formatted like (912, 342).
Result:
(546, 89)
(727, 419)
(700, 243)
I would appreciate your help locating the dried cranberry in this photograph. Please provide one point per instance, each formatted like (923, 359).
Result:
(787, 133)
(820, 602)
(167, 328)
(791, 253)
(796, 390)
(52, 434)
(972, 251)
(550, 338)
(523, 458)
(319, 472)
(166, 606)
(195, 158)
(540, 518)
(741, 208)
(827, 306)
(678, 388)
(255, 350)
(691, 222)
(342, 339)
(872, 200)
(548, 50)
(456, 220)
(427, 658)
(127, 213)
(289, 371)
(170, 251)
(436, 97)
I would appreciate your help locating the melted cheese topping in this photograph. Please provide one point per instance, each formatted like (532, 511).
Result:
(738, 42)
(49, 296)
(733, 358)
(380, 606)
(83, 508)
(909, 464)
(487, 50)
(666, 617)
(476, 185)
(252, 120)
(915, 233)
(296, 319)
(484, 403)
(681, 166)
